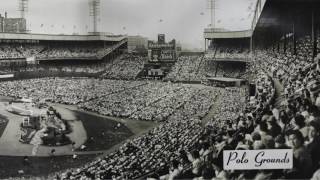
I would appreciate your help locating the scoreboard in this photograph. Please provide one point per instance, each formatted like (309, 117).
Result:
(161, 39)
(159, 52)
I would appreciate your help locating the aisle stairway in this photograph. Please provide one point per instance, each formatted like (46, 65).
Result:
(279, 95)
(212, 112)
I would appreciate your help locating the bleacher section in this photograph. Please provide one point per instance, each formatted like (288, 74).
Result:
(124, 67)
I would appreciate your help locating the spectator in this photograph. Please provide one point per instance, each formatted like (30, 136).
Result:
(302, 164)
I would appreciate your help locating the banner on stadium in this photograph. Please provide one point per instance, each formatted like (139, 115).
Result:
(31, 60)
(258, 159)
(3, 76)
(160, 46)
(18, 41)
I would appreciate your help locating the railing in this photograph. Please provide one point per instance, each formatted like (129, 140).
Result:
(68, 57)
(105, 52)
(232, 59)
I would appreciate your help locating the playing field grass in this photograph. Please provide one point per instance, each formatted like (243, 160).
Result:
(102, 132)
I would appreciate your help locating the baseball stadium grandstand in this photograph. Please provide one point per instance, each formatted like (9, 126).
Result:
(57, 55)
(84, 107)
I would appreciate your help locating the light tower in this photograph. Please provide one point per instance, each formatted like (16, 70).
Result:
(23, 8)
(94, 11)
(211, 5)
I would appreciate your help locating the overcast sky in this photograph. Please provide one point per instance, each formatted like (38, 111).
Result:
(183, 20)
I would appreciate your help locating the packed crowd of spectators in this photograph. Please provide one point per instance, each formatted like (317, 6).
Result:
(93, 68)
(47, 70)
(125, 67)
(180, 106)
(259, 125)
(255, 125)
(151, 101)
(232, 53)
(168, 152)
(180, 147)
(226, 69)
(9, 51)
(198, 68)
(30, 50)
(295, 124)
(210, 54)
(155, 149)
(298, 73)
(142, 100)
(78, 51)
(230, 103)
(64, 90)
(14, 51)
(71, 51)
(65, 51)
(187, 68)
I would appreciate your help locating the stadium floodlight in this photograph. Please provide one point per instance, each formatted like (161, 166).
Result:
(94, 11)
(23, 8)
(212, 6)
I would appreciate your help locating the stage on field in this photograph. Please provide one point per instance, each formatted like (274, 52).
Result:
(26, 125)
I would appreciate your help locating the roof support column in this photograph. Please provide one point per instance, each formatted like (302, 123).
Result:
(294, 37)
(205, 44)
(313, 34)
(284, 40)
(251, 45)
(278, 46)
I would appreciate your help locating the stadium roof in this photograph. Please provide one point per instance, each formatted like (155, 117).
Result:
(293, 1)
(273, 10)
(210, 33)
(50, 37)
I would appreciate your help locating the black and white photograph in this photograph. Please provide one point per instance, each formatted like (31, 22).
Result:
(160, 89)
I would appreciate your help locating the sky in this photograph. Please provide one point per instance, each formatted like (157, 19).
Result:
(183, 20)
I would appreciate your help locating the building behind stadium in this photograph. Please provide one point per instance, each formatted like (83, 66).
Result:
(12, 25)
